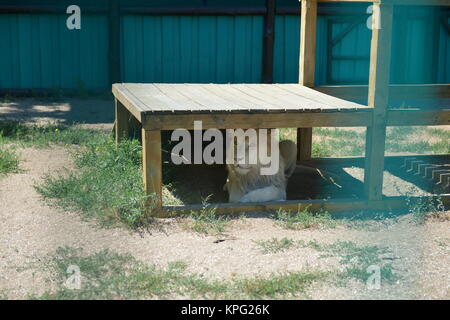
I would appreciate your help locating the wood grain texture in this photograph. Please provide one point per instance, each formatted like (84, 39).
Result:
(259, 120)
(304, 144)
(333, 205)
(380, 59)
(308, 26)
(122, 121)
(399, 91)
(307, 65)
(152, 165)
(398, 2)
(165, 98)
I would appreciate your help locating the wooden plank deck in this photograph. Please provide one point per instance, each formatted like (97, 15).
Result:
(164, 98)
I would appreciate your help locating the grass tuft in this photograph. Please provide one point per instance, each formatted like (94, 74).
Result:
(427, 208)
(286, 285)
(275, 245)
(206, 221)
(43, 136)
(9, 161)
(107, 184)
(109, 275)
(304, 219)
(357, 259)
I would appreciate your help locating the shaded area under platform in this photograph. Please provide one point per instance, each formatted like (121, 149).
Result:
(342, 179)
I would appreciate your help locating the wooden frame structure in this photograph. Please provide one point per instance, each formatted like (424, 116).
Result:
(375, 117)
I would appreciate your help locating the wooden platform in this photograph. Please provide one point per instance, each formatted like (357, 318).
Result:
(172, 106)
(160, 107)
(163, 98)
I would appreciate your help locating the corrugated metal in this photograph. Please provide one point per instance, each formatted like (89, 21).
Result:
(191, 49)
(38, 51)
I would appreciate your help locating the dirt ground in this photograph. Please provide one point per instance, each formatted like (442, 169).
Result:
(31, 230)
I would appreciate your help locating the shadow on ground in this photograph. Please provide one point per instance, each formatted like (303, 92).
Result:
(68, 111)
(194, 184)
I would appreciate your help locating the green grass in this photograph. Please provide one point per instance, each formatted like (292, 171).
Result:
(304, 219)
(417, 140)
(9, 160)
(427, 208)
(44, 136)
(275, 245)
(109, 275)
(285, 285)
(106, 184)
(334, 142)
(206, 221)
(355, 259)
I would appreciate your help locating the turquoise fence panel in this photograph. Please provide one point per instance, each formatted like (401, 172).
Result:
(416, 45)
(38, 51)
(420, 49)
(444, 53)
(286, 49)
(349, 54)
(200, 49)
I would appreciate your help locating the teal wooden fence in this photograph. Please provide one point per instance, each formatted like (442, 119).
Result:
(38, 51)
(191, 49)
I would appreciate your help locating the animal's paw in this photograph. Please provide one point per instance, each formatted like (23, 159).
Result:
(270, 193)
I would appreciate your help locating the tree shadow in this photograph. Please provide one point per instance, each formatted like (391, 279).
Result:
(65, 111)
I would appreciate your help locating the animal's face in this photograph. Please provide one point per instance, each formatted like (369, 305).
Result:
(241, 155)
(244, 151)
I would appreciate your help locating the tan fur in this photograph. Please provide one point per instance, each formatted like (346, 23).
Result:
(254, 187)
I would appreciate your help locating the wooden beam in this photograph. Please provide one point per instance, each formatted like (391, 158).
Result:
(418, 117)
(307, 65)
(43, 8)
(152, 167)
(380, 59)
(268, 42)
(332, 206)
(398, 2)
(400, 91)
(359, 161)
(122, 121)
(125, 97)
(259, 120)
(416, 2)
(114, 41)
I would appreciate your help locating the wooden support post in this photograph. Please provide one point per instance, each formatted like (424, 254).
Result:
(307, 66)
(122, 121)
(304, 143)
(152, 167)
(114, 41)
(380, 58)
